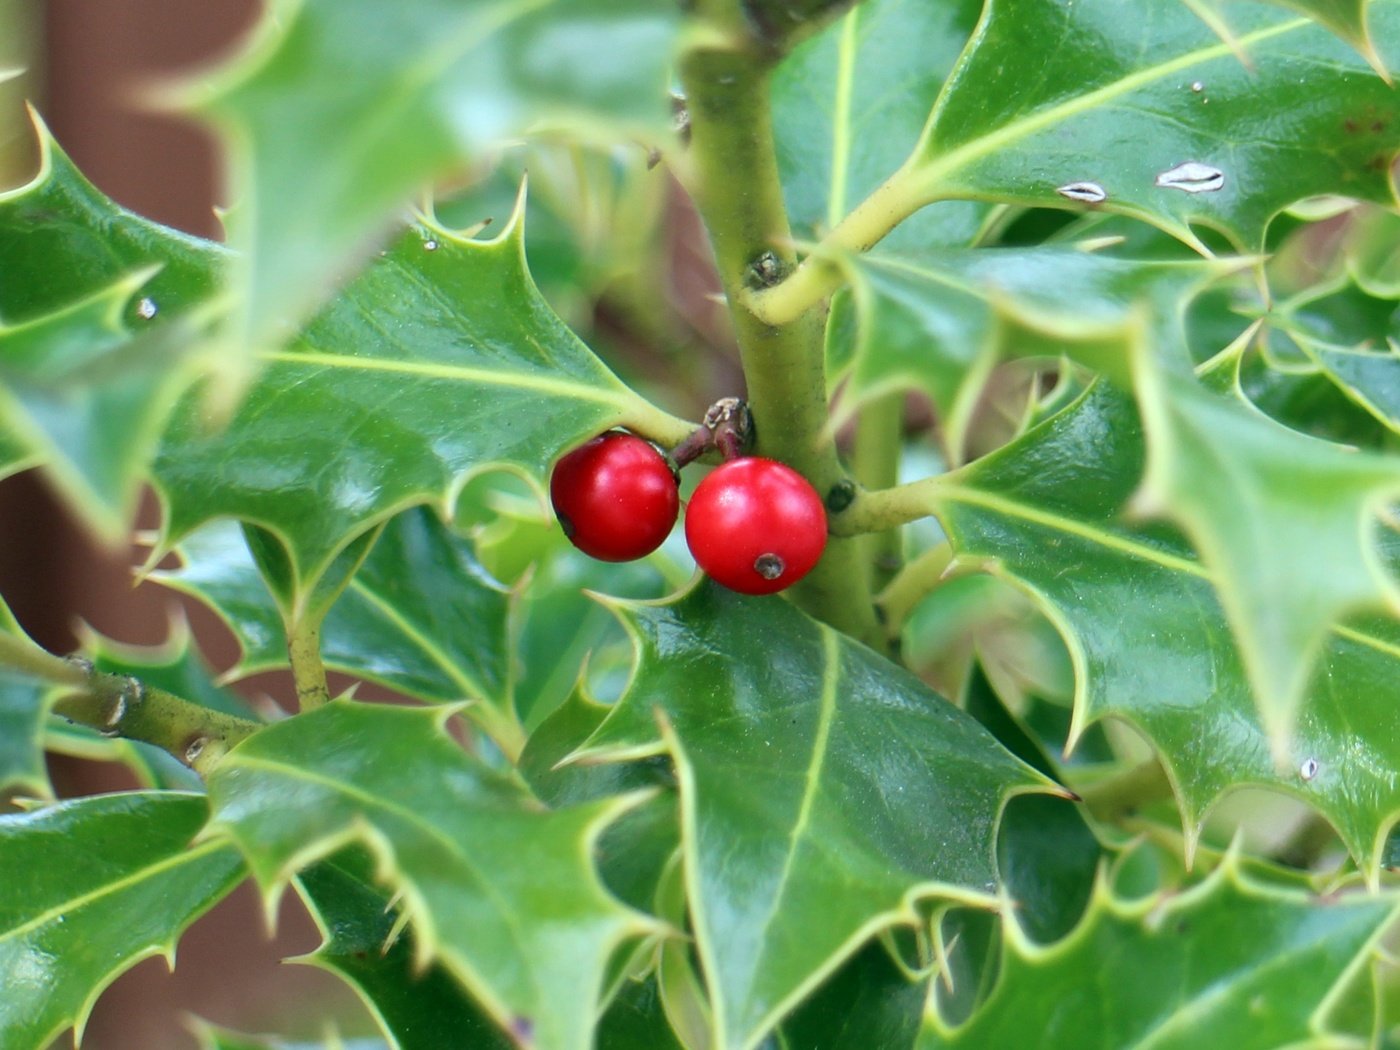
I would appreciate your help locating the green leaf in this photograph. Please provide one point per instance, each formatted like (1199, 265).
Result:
(501, 892)
(436, 86)
(561, 632)
(441, 361)
(823, 791)
(1114, 103)
(1225, 963)
(1283, 521)
(938, 321)
(636, 1020)
(1346, 18)
(24, 709)
(93, 886)
(1147, 636)
(868, 1002)
(96, 314)
(849, 104)
(217, 569)
(421, 615)
(416, 1009)
(1370, 378)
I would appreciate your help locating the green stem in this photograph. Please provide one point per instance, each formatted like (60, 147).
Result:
(913, 583)
(740, 198)
(889, 508)
(308, 672)
(820, 274)
(879, 438)
(503, 727)
(117, 705)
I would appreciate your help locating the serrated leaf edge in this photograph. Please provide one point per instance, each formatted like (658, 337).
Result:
(919, 180)
(906, 914)
(195, 850)
(273, 884)
(1104, 902)
(1193, 823)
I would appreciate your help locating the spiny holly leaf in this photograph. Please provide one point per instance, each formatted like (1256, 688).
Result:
(420, 615)
(1156, 117)
(1346, 18)
(1224, 963)
(849, 104)
(1149, 641)
(23, 711)
(1372, 251)
(500, 891)
(868, 1002)
(416, 1009)
(1283, 521)
(436, 85)
(636, 1020)
(440, 361)
(823, 791)
(93, 886)
(937, 322)
(1370, 378)
(96, 314)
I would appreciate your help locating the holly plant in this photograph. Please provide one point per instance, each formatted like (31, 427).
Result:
(1024, 377)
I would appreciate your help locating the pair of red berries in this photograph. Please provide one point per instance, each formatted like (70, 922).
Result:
(753, 524)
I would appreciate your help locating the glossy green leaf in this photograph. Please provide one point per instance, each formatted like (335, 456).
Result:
(23, 711)
(1370, 378)
(500, 891)
(849, 104)
(417, 1009)
(97, 312)
(562, 632)
(93, 886)
(1047, 855)
(636, 1020)
(868, 1002)
(1372, 251)
(937, 322)
(1157, 117)
(798, 847)
(1283, 521)
(1225, 963)
(436, 86)
(592, 223)
(1148, 638)
(1346, 18)
(420, 615)
(439, 362)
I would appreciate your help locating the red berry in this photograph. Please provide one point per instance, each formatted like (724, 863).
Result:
(755, 525)
(615, 496)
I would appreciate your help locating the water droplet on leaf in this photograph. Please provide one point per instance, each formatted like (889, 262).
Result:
(1308, 769)
(430, 245)
(146, 308)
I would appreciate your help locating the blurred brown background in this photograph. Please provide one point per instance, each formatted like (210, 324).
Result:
(86, 62)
